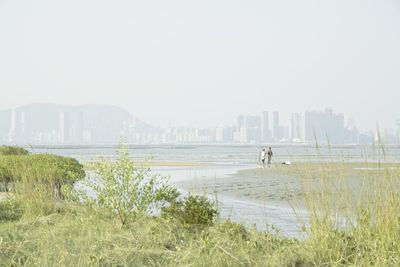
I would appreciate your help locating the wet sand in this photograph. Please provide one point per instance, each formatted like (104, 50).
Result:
(276, 195)
(286, 185)
(267, 186)
(252, 196)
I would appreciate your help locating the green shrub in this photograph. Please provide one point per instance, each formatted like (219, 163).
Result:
(42, 168)
(124, 188)
(10, 210)
(192, 209)
(36, 180)
(12, 150)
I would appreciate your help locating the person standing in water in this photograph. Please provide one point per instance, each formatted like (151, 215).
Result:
(262, 157)
(270, 154)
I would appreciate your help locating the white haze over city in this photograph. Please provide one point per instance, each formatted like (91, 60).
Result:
(201, 63)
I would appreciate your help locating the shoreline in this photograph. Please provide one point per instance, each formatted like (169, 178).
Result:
(246, 183)
(277, 195)
(236, 201)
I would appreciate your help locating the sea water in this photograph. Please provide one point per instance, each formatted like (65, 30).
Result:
(220, 161)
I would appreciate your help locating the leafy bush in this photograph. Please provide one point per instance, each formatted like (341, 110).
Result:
(42, 169)
(12, 150)
(10, 210)
(192, 209)
(124, 188)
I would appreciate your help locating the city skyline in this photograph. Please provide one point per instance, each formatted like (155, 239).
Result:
(201, 63)
(47, 124)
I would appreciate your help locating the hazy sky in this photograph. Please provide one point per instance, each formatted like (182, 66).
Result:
(204, 62)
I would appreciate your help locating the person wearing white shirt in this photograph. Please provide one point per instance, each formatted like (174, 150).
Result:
(262, 157)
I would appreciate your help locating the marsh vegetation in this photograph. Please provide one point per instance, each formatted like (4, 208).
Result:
(137, 219)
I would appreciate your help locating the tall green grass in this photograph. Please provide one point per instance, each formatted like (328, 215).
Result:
(36, 180)
(354, 221)
(79, 237)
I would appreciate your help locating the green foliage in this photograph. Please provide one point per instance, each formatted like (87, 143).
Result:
(12, 150)
(36, 180)
(191, 209)
(199, 210)
(10, 210)
(41, 168)
(341, 232)
(353, 224)
(85, 237)
(126, 189)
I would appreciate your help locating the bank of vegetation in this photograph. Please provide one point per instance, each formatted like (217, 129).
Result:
(124, 215)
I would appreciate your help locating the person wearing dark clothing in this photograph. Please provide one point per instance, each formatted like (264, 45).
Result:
(270, 154)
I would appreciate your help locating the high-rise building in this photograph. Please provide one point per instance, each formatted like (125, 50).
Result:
(324, 127)
(70, 127)
(17, 130)
(276, 129)
(243, 135)
(352, 135)
(297, 128)
(223, 134)
(62, 127)
(23, 124)
(250, 128)
(253, 121)
(337, 129)
(265, 133)
(236, 136)
(75, 124)
(253, 126)
(13, 128)
(241, 121)
(64, 124)
(219, 134)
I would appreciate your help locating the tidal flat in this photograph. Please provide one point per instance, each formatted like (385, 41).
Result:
(38, 228)
(287, 185)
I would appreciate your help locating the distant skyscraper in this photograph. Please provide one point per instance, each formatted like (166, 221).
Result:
(337, 129)
(75, 127)
(253, 121)
(296, 133)
(219, 134)
(276, 130)
(13, 128)
(223, 134)
(324, 126)
(352, 135)
(266, 134)
(236, 136)
(243, 135)
(23, 123)
(253, 126)
(62, 127)
(64, 124)
(248, 128)
(240, 121)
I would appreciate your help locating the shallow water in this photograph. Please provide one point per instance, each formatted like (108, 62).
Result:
(249, 211)
(229, 154)
(218, 162)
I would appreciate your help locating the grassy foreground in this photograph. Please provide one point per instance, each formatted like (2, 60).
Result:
(79, 237)
(344, 230)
